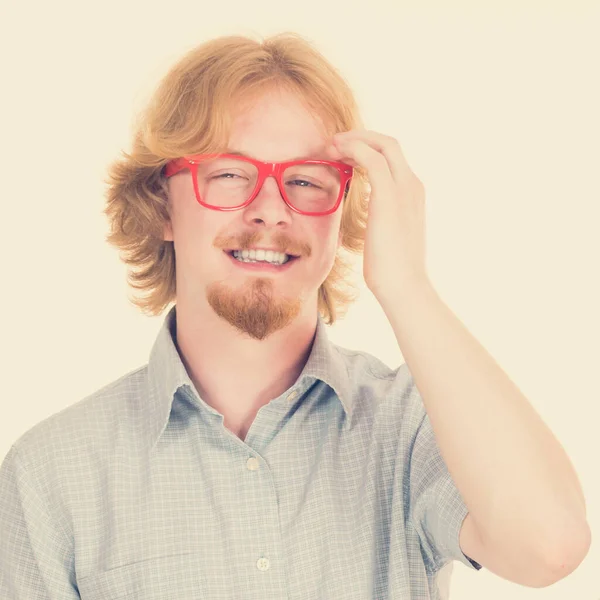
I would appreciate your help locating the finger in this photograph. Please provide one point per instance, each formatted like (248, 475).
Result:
(390, 148)
(332, 153)
(380, 178)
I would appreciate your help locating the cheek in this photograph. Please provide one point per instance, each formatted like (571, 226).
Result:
(328, 237)
(194, 237)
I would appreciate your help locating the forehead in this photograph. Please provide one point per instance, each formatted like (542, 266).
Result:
(276, 125)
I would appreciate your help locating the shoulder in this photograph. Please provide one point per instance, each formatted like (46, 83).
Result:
(375, 386)
(84, 426)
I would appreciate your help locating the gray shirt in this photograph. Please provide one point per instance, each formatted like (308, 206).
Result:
(138, 491)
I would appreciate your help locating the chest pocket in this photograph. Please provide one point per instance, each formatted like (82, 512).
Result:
(174, 577)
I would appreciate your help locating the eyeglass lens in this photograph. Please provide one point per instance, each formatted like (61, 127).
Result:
(227, 183)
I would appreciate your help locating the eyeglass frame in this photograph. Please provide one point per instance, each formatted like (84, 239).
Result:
(265, 169)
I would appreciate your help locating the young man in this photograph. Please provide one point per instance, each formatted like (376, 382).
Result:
(245, 329)
(251, 457)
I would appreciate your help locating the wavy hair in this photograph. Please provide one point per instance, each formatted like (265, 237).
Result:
(190, 112)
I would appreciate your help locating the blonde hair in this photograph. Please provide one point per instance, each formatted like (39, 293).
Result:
(190, 113)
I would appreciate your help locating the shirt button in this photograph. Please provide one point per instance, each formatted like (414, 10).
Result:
(262, 564)
(292, 396)
(252, 464)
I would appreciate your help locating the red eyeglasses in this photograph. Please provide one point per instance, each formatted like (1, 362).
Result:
(230, 182)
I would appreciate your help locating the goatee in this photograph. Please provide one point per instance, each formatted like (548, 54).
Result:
(253, 309)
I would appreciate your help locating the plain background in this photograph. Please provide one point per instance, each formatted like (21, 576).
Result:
(495, 106)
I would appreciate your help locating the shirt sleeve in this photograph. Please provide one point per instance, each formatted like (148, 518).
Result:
(437, 510)
(36, 558)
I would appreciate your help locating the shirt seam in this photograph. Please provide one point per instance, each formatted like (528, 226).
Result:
(349, 352)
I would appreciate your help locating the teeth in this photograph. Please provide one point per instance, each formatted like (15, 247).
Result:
(261, 255)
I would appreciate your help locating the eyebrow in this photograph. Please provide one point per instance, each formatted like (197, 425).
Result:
(315, 156)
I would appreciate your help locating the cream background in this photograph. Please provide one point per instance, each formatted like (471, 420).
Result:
(496, 107)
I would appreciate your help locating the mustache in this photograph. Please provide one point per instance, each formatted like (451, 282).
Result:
(279, 240)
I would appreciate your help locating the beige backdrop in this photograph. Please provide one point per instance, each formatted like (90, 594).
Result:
(495, 105)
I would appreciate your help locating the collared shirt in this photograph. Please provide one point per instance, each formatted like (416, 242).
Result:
(138, 491)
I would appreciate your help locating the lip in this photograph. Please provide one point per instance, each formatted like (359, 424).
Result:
(263, 267)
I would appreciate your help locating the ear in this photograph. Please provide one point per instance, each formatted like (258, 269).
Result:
(168, 232)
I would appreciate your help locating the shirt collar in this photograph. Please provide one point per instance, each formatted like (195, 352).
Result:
(167, 373)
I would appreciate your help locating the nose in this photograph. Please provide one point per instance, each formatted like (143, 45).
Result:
(268, 205)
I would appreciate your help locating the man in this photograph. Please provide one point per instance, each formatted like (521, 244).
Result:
(251, 457)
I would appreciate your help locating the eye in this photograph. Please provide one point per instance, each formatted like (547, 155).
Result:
(302, 181)
(223, 175)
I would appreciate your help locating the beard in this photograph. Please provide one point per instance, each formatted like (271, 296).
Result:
(254, 310)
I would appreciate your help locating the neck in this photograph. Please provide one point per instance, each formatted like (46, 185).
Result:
(236, 374)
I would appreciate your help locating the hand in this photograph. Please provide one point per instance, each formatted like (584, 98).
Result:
(394, 253)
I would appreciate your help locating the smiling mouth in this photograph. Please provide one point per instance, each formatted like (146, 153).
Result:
(231, 253)
(291, 258)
